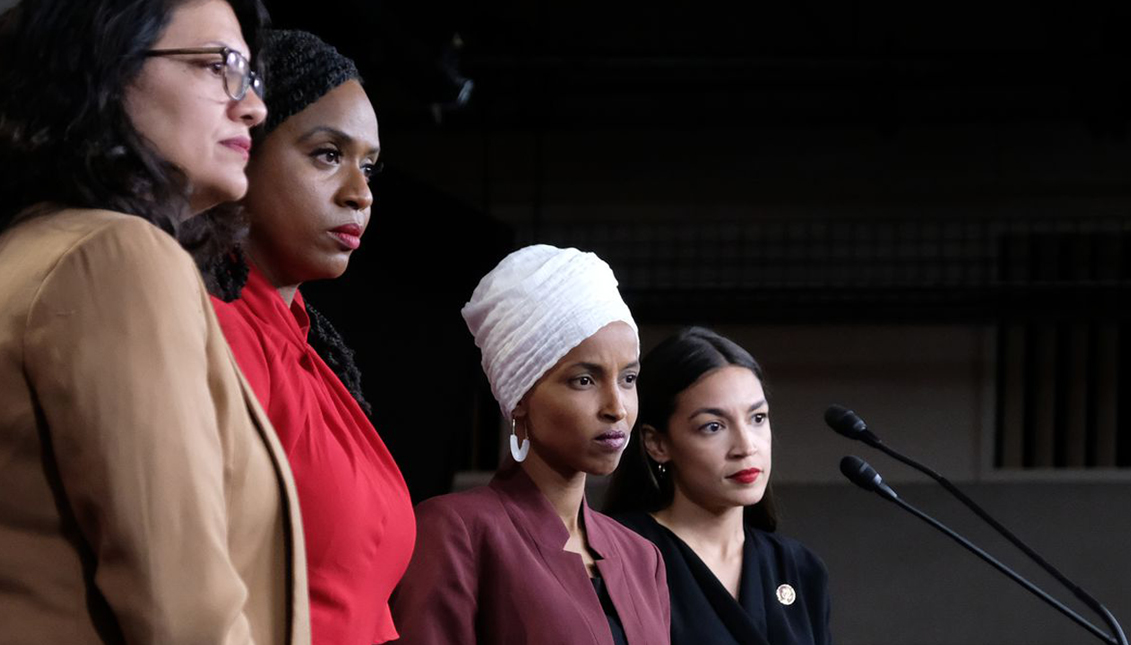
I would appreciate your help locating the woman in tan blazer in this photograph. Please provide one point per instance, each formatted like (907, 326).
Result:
(144, 497)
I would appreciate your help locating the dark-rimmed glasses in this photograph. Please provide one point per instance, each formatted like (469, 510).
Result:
(237, 74)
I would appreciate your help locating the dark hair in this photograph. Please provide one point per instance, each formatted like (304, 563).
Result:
(300, 69)
(670, 368)
(330, 345)
(66, 139)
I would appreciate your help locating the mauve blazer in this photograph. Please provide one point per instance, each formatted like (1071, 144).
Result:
(489, 567)
(144, 497)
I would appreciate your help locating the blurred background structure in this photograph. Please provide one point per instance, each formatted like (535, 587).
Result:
(921, 211)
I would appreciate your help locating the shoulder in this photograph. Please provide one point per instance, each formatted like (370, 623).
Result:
(640, 523)
(793, 552)
(56, 233)
(120, 260)
(472, 509)
(91, 225)
(126, 247)
(630, 541)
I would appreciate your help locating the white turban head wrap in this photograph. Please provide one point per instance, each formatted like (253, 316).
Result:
(533, 308)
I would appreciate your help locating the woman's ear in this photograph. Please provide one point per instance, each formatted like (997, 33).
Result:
(520, 409)
(655, 443)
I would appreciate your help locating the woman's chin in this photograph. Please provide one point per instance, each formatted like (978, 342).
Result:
(604, 467)
(211, 195)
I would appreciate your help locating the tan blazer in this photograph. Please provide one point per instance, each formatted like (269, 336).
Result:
(144, 497)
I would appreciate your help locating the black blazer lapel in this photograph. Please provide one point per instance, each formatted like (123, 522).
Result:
(733, 615)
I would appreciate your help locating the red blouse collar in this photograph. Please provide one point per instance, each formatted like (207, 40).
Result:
(264, 299)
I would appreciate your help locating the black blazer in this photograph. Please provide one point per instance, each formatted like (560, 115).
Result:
(703, 611)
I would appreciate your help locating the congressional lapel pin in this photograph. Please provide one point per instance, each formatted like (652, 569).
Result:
(786, 595)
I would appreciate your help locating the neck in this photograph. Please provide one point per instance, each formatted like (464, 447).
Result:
(565, 491)
(286, 288)
(713, 531)
(287, 293)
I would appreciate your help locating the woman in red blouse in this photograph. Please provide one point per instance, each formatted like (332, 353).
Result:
(308, 204)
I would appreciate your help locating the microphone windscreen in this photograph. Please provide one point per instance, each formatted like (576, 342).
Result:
(859, 472)
(845, 421)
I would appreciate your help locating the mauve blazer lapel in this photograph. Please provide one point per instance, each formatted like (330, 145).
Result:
(611, 565)
(532, 513)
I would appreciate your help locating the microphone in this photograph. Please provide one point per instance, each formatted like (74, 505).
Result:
(860, 473)
(848, 423)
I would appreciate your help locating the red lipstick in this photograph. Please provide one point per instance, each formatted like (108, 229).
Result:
(748, 476)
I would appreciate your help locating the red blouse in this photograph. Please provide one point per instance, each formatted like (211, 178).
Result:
(356, 511)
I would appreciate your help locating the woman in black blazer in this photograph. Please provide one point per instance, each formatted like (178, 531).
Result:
(694, 480)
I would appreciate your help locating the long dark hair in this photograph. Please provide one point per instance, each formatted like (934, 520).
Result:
(666, 371)
(66, 139)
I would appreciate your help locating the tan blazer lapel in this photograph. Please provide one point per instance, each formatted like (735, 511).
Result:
(297, 592)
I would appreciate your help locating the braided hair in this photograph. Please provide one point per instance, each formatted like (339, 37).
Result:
(326, 340)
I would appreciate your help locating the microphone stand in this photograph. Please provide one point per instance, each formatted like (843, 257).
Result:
(860, 473)
(1035, 590)
(874, 441)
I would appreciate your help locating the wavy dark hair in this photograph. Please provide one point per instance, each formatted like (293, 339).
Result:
(666, 371)
(66, 139)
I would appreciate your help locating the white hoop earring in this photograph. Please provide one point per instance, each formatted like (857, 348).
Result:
(519, 452)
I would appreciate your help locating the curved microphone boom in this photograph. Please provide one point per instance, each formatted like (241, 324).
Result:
(860, 473)
(849, 424)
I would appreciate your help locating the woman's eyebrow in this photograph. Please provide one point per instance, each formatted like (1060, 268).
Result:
(718, 412)
(319, 129)
(337, 134)
(588, 367)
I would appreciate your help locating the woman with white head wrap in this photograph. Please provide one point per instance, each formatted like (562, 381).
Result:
(524, 559)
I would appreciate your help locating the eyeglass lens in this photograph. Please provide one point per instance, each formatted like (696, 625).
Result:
(238, 77)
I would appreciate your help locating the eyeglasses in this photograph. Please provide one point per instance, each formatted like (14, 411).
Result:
(237, 75)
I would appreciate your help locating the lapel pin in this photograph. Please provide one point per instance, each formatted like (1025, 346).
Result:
(786, 595)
